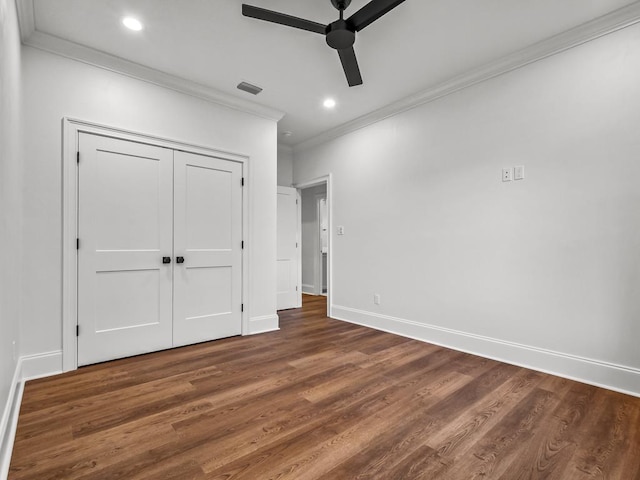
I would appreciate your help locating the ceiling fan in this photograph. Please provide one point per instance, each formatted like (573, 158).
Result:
(340, 35)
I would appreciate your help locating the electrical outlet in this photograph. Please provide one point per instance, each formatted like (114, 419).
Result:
(340, 230)
(506, 175)
(376, 298)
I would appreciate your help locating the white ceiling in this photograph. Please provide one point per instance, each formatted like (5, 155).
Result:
(418, 45)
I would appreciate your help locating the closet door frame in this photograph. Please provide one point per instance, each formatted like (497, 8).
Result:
(71, 130)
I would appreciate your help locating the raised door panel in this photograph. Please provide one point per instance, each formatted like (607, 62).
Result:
(125, 223)
(208, 236)
(287, 252)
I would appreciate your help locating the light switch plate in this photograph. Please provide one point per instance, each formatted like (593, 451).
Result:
(518, 172)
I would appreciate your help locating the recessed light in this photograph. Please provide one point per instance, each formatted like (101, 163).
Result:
(132, 23)
(287, 133)
(329, 103)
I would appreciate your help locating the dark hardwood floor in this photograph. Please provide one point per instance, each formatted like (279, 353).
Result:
(321, 399)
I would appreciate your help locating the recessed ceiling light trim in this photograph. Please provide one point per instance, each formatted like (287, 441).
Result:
(132, 23)
(329, 103)
(249, 88)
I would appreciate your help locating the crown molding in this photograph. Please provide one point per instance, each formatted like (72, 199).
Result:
(52, 44)
(612, 22)
(119, 65)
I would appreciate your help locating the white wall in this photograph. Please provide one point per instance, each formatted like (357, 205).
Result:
(10, 205)
(510, 270)
(310, 237)
(285, 165)
(55, 87)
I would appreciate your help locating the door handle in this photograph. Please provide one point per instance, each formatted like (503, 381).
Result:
(179, 259)
(166, 259)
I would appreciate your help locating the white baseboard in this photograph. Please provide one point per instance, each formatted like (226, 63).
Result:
(594, 372)
(309, 289)
(28, 367)
(41, 365)
(263, 324)
(10, 420)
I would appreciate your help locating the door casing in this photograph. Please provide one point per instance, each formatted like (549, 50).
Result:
(325, 179)
(318, 259)
(71, 130)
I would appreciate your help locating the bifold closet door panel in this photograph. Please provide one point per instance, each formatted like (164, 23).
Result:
(287, 249)
(125, 228)
(207, 248)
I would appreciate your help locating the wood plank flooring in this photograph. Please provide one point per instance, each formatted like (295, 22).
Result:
(321, 399)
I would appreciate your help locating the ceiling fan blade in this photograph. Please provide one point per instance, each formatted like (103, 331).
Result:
(350, 66)
(282, 19)
(371, 12)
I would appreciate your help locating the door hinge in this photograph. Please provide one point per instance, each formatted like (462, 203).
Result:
(296, 244)
(296, 288)
(242, 244)
(296, 201)
(78, 157)
(77, 244)
(242, 307)
(77, 330)
(242, 182)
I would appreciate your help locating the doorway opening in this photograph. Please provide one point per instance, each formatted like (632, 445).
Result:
(315, 238)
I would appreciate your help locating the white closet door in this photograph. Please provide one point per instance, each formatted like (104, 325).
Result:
(208, 236)
(288, 294)
(125, 229)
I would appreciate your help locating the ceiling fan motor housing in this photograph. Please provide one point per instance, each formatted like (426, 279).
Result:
(339, 35)
(341, 4)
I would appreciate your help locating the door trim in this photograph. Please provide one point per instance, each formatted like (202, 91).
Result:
(299, 240)
(317, 259)
(71, 130)
(325, 179)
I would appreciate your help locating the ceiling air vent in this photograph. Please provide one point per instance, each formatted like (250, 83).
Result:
(247, 87)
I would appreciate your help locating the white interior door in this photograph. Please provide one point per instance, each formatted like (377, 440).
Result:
(125, 227)
(288, 288)
(208, 236)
